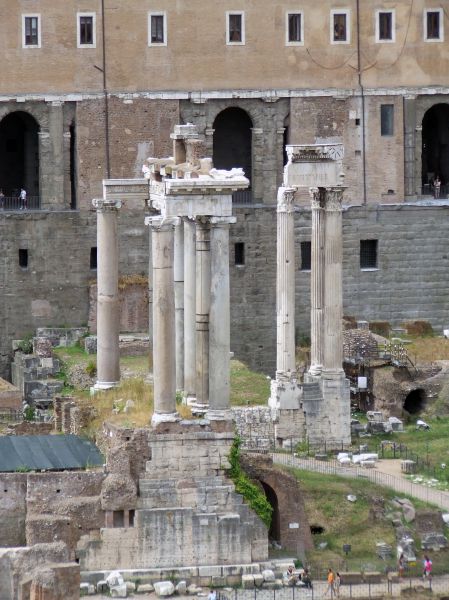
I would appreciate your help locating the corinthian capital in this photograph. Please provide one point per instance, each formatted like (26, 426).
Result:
(318, 197)
(334, 197)
(286, 199)
(103, 204)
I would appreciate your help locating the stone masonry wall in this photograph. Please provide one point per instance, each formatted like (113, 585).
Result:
(255, 425)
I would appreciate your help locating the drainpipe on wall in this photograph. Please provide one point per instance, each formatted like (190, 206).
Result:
(362, 95)
(105, 92)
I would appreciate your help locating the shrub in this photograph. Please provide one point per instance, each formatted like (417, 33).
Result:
(91, 368)
(244, 486)
(418, 328)
(380, 327)
(26, 344)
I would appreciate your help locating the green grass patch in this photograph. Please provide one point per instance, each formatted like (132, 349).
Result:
(247, 387)
(345, 522)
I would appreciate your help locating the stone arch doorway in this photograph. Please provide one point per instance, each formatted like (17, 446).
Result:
(435, 145)
(19, 154)
(274, 532)
(232, 145)
(415, 401)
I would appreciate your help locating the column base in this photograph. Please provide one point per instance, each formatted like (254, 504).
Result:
(198, 409)
(158, 418)
(285, 394)
(219, 414)
(315, 370)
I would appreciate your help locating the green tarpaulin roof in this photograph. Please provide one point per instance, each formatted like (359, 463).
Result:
(47, 452)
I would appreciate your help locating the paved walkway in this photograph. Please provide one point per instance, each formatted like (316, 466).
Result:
(381, 477)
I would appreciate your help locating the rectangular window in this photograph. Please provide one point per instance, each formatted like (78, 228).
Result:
(385, 26)
(239, 253)
(433, 25)
(386, 119)
(306, 256)
(235, 28)
(23, 258)
(295, 29)
(31, 31)
(340, 32)
(93, 257)
(368, 254)
(157, 29)
(86, 30)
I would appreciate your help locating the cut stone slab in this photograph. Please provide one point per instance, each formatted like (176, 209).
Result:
(145, 588)
(268, 575)
(119, 591)
(114, 578)
(248, 582)
(258, 580)
(164, 588)
(181, 588)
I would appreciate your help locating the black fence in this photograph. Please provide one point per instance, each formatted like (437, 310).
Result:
(242, 197)
(13, 203)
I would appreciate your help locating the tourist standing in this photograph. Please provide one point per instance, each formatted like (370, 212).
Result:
(427, 568)
(212, 595)
(401, 565)
(330, 583)
(2, 199)
(23, 199)
(436, 187)
(337, 584)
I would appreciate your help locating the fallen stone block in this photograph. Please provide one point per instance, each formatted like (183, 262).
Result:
(258, 580)
(248, 582)
(181, 588)
(164, 588)
(193, 589)
(130, 586)
(119, 591)
(268, 575)
(114, 578)
(84, 589)
(145, 588)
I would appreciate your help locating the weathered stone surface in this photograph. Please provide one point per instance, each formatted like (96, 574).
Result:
(164, 588)
(119, 591)
(181, 588)
(114, 578)
(145, 588)
(248, 582)
(268, 575)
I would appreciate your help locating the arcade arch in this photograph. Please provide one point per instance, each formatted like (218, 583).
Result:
(19, 154)
(232, 142)
(435, 144)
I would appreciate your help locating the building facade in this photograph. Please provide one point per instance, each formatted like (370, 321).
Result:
(90, 88)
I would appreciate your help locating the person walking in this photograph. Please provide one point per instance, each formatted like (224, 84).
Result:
(337, 584)
(427, 568)
(2, 199)
(330, 583)
(401, 565)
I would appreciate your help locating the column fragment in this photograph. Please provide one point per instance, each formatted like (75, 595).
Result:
(317, 280)
(189, 310)
(202, 310)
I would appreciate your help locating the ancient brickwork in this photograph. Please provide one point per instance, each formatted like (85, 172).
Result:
(133, 307)
(255, 426)
(138, 128)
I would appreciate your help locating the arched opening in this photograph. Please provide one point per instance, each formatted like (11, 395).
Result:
(415, 401)
(275, 527)
(19, 155)
(232, 140)
(435, 146)
(72, 166)
(317, 529)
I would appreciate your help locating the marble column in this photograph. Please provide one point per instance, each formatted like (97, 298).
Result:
(219, 326)
(108, 356)
(164, 336)
(150, 300)
(189, 310)
(317, 280)
(203, 275)
(333, 291)
(285, 285)
(178, 273)
(409, 145)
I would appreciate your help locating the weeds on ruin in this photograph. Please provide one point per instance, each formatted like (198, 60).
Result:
(25, 345)
(252, 493)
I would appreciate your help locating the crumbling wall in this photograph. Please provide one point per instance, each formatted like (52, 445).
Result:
(13, 487)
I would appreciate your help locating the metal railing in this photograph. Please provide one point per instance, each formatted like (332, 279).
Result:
(427, 190)
(13, 203)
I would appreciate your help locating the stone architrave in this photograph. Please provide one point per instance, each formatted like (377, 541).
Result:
(178, 272)
(108, 355)
(333, 290)
(189, 310)
(164, 336)
(317, 280)
(203, 277)
(219, 320)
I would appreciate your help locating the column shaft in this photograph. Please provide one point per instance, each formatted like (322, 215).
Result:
(189, 309)
(202, 310)
(285, 284)
(409, 145)
(108, 355)
(150, 299)
(219, 335)
(179, 303)
(164, 336)
(317, 281)
(333, 292)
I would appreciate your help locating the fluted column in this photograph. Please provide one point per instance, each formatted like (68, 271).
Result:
(179, 303)
(164, 336)
(219, 326)
(285, 285)
(317, 280)
(202, 310)
(333, 292)
(150, 300)
(189, 310)
(108, 355)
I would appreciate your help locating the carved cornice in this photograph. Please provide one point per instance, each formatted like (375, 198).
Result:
(286, 200)
(106, 205)
(315, 153)
(162, 223)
